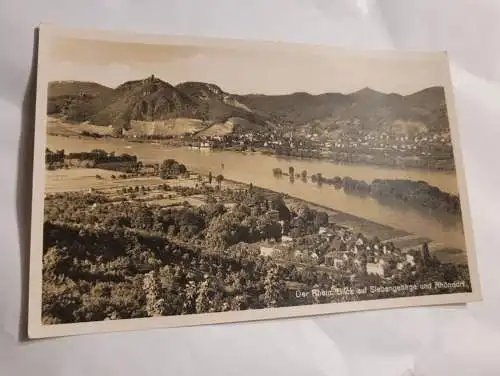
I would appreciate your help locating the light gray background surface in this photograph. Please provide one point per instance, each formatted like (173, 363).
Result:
(423, 342)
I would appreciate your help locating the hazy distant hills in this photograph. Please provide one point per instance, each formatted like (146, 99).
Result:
(74, 88)
(372, 109)
(215, 111)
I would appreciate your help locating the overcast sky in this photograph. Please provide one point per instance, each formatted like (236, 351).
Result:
(243, 71)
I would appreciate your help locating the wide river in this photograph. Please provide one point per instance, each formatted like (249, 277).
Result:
(256, 168)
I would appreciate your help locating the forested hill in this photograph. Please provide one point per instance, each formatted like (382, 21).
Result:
(152, 99)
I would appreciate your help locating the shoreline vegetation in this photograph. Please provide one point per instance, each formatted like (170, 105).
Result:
(187, 243)
(417, 194)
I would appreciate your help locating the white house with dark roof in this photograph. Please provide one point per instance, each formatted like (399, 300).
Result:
(267, 251)
(410, 259)
(375, 268)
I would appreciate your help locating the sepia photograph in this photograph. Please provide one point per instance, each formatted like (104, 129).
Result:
(185, 181)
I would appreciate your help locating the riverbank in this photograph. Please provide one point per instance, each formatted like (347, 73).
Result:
(257, 169)
(84, 179)
(402, 162)
(401, 239)
(356, 224)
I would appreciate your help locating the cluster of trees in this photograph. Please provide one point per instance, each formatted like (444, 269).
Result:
(102, 156)
(213, 224)
(307, 221)
(418, 194)
(218, 179)
(94, 158)
(75, 107)
(54, 156)
(278, 172)
(127, 267)
(170, 168)
(396, 158)
(354, 186)
(92, 134)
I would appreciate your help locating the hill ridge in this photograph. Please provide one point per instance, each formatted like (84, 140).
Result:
(152, 99)
(180, 84)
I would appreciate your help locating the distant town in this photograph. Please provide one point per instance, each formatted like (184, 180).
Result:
(432, 150)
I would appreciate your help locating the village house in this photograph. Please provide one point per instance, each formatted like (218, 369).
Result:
(329, 257)
(410, 259)
(149, 169)
(386, 262)
(267, 251)
(299, 255)
(385, 250)
(274, 215)
(355, 250)
(336, 244)
(326, 232)
(336, 259)
(282, 224)
(351, 246)
(358, 264)
(375, 268)
(338, 263)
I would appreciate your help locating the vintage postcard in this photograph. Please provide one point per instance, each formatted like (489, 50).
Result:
(191, 181)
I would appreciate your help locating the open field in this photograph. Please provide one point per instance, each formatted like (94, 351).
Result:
(83, 179)
(169, 127)
(77, 179)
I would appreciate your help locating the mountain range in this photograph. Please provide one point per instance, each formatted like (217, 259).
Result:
(153, 100)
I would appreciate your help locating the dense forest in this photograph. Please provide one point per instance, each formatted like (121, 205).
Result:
(110, 258)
